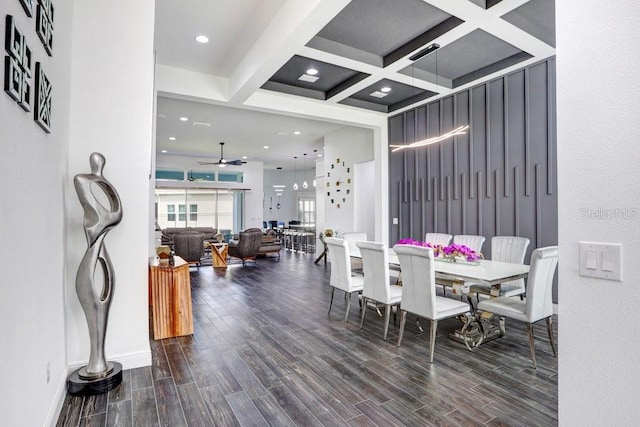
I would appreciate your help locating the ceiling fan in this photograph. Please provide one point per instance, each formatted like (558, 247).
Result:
(223, 162)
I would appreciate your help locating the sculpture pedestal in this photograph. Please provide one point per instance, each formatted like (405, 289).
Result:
(79, 386)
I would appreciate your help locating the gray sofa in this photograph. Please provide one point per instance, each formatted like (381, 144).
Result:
(211, 234)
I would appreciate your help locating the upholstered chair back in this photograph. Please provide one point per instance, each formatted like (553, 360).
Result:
(352, 237)
(189, 245)
(340, 264)
(540, 283)
(375, 264)
(510, 249)
(418, 279)
(441, 239)
(471, 241)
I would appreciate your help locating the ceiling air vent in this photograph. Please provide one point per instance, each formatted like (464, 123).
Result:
(308, 78)
(202, 124)
(378, 94)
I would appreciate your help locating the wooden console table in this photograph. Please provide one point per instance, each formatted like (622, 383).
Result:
(170, 298)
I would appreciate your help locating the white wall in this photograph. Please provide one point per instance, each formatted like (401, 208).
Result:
(364, 198)
(598, 101)
(33, 170)
(289, 197)
(350, 145)
(111, 112)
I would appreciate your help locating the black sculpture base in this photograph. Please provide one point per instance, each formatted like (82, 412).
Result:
(79, 386)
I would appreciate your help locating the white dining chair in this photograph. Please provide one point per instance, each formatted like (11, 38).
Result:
(419, 291)
(341, 277)
(375, 260)
(441, 239)
(505, 249)
(352, 237)
(471, 241)
(538, 304)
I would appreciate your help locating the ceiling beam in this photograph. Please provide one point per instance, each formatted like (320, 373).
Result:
(293, 26)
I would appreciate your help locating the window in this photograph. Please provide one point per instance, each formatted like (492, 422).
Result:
(307, 210)
(200, 207)
(170, 175)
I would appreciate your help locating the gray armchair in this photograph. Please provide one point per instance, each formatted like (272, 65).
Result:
(189, 245)
(247, 246)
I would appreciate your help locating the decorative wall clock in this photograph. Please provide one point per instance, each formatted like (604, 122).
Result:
(338, 183)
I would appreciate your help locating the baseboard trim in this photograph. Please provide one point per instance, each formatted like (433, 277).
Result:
(58, 401)
(134, 359)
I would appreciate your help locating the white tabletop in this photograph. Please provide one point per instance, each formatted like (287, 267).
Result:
(491, 272)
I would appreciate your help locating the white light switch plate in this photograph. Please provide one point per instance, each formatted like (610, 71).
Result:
(602, 260)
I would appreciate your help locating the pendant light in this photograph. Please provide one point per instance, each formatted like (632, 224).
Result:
(304, 171)
(295, 173)
(460, 130)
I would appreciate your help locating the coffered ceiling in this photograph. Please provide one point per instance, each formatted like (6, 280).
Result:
(368, 55)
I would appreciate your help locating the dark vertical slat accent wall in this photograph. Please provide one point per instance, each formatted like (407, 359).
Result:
(505, 142)
(471, 153)
(551, 126)
(455, 148)
(500, 178)
(527, 136)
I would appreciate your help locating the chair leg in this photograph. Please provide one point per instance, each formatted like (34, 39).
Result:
(532, 346)
(403, 320)
(550, 331)
(387, 313)
(432, 340)
(346, 314)
(331, 300)
(364, 311)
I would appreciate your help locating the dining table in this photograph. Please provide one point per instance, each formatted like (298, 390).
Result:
(460, 275)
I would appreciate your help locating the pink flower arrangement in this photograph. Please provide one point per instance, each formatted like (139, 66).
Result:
(450, 252)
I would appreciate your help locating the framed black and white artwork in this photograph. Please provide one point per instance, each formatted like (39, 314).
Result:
(27, 5)
(44, 24)
(17, 65)
(42, 107)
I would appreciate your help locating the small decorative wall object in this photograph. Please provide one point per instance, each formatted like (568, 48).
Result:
(44, 24)
(27, 5)
(42, 110)
(17, 65)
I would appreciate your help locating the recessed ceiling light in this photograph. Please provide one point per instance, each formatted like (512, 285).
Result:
(202, 39)
(386, 89)
(312, 71)
(172, 138)
(266, 147)
(296, 132)
(279, 186)
(184, 119)
(164, 151)
(244, 157)
(319, 155)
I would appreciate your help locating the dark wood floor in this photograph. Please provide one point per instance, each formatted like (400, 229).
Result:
(264, 352)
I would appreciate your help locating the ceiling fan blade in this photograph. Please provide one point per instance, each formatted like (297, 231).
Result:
(235, 162)
(207, 163)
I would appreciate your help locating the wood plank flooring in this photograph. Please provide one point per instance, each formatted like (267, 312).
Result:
(264, 352)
